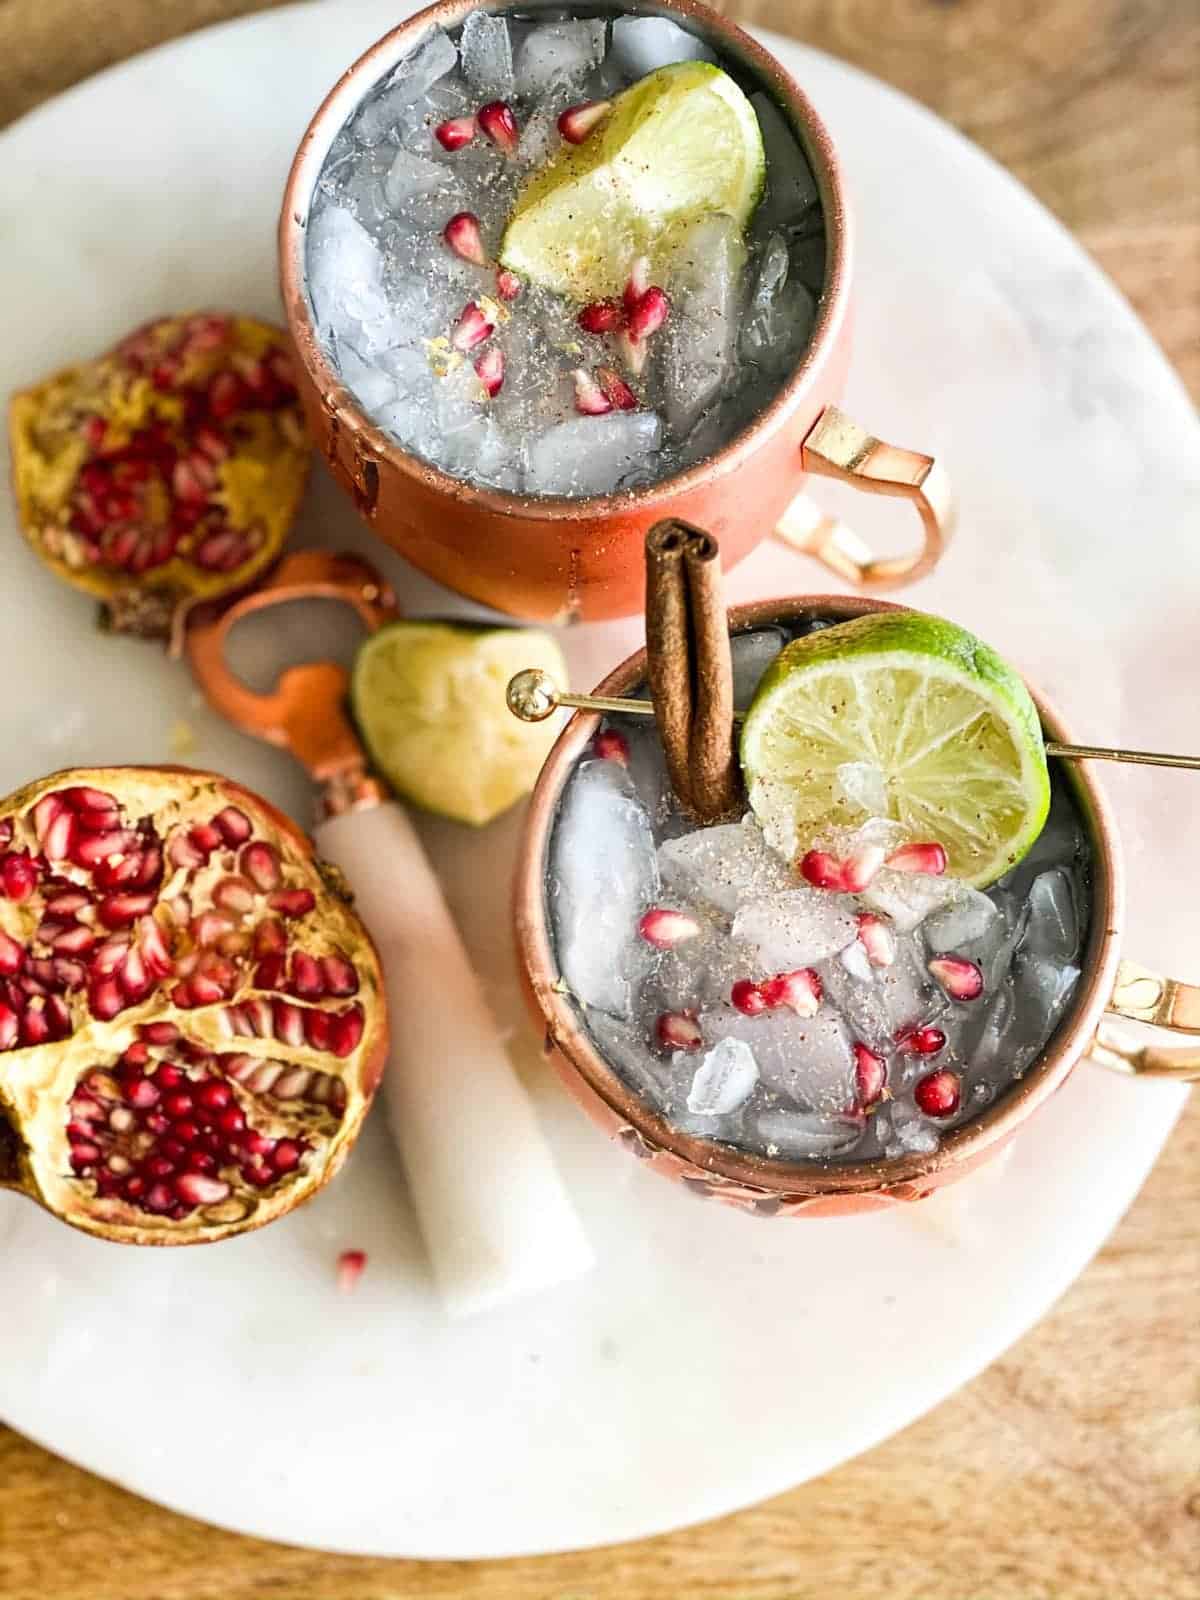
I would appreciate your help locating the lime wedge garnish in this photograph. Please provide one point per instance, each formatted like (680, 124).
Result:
(680, 142)
(429, 699)
(948, 724)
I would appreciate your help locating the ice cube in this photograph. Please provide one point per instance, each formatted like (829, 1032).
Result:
(592, 455)
(911, 1132)
(864, 786)
(487, 60)
(698, 973)
(1041, 992)
(433, 58)
(791, 187)
(603, 876)
(724, 1080)
(780, 315)
(961, 922)
(753, 652)
(889, 1001)
(411, 175)
(643, 44)
(796, 928)
(699, 343)
(1052, 931)
(857, 962)
(808, 1059)
(909, 897)
(345, 281)
(370, 387)
(801, 1135)
(557, 53)
(724, 866)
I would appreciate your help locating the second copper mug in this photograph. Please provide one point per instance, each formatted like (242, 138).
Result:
(557, 558)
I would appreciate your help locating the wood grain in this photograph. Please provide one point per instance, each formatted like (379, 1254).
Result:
(1071, 1469)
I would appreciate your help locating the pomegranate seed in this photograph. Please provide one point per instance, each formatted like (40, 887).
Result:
(234, 894)
(232, 1120)
(200, 1161)
(576, 122)
(462, 234)
(921, 1041)
(225, 395)
(195, 1189)
(497, 123)
(748, 998)
(18, 875)
(105, 999)
(214, 1095)
(350, 1267)
(260, 864)
(472, 328)
(12, 956)
(177, 1105)
(288, 1021)
(60, 838)
(209, 927)
(80, 1131)
(9, 1026)
(455, 133)
(269, 973)
(489, 369)
(159, 1033)
(800, 991)
(206, 837)
(318, 1029)
(664, 929)
(120, 910)
(306, 977)
(141, 1092)
(508, 285)
(84, 1156)
(187, 484)
(859, 868)
(339, 976)
(877, 939)
(678, 1030)
(648, 314)
(612, 745)
(187, 1133)
(286, 1155)
(233, 826)
(925, 857)
(822, 870)
(270, 937)
(261, 1177)
(257, 1144)
(168, 1077)
(158, 1198)
(870, 1076)
(47, 811)
(292, 902)
(938, 1094)
(602, 316)
(616, 389)
(135, 1058)
(157, 1166)
(960, 978)
(345, 1034)
(590, 398)
(156, 1123)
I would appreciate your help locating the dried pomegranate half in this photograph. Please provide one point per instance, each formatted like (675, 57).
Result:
(192, 1019)
(169, 469)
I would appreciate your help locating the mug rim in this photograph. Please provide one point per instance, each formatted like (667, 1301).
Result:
(914, 1173)
(833, 304)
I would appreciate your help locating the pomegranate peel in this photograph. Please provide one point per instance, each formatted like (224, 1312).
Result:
(166, 471)
(130, 1107)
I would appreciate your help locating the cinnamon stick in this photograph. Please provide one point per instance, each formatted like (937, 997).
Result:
(668, 653)
(690, 670)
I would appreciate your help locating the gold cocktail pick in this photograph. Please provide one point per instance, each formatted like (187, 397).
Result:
(533, 696)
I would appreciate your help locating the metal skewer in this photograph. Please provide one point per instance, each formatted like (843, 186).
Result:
(533, 696)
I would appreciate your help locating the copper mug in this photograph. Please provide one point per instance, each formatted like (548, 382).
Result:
(558, 558)
(1108, 986)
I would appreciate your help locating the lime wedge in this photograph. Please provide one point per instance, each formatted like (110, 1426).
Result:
(914, 711)
(428, 698)
(680, 142)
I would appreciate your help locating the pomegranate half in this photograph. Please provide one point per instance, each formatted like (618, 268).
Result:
(168, 470)
(192, 1018)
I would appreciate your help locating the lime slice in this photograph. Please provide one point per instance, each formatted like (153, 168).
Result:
(428, 698)
(680, 142)
(939, 715)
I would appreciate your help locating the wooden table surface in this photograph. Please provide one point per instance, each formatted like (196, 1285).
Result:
(1071, 1469)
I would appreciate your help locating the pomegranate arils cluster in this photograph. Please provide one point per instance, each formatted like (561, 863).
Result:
(167, 422)
(223, 994)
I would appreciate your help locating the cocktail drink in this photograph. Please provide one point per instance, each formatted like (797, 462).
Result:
(565, 255)
(871, 948)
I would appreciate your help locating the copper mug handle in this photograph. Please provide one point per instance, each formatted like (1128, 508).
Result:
(1144, 996)
(836, 447)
